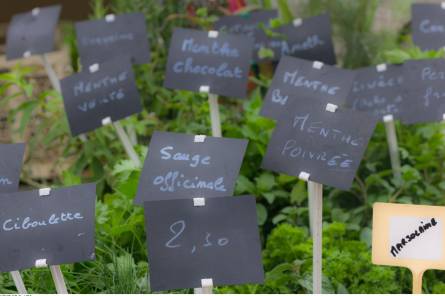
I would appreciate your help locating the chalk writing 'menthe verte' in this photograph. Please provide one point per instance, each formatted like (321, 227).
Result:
(410, 237)
(28, 223)
(178, 227)
(217, 49)
(86, 87)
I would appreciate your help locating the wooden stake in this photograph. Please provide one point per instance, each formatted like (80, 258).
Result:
(417, 282)
(58, 279)
(214, 115)
(393, 147)
(51, 73)
(127, 144)
(315, 192)
(18, 281)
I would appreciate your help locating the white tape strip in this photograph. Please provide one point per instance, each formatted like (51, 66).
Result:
(206, 283)
(331, 107)
(297, 22)
(35, 11)
(442, 5)
(204, 89)
(304, 176)
(381, 68)
(94, 68)
(317, 65)
(199, 201)
(40, 263)
(388, 118)
(27, 54)
(213, 34)
(110, 18)
(44, 191)
(106, 120)
(199, 138)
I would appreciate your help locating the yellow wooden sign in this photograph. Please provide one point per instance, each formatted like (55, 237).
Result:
(410, 236)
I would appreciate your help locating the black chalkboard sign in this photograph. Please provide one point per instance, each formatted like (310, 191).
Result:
(178, 167)
(309, 38)
(249, 24)
(32, 32)
(11, 159)
(218, 241)
(58, 227)
(379, 90)
(101, 40)
(90, 97)
(198, 58)
(327, 145)
(424, 91)
(300, 79)
(428, 26)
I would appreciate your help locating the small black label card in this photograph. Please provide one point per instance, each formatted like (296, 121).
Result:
(57, 228)
(101, 40)
(109, 91)
(428, 26)
(326, 145)
(183, 166)
(309, 38)
(32, 32)
(218, 61)
(218, 241)
(424, 91)
(11, 160)
(305, 80)
(379, 90)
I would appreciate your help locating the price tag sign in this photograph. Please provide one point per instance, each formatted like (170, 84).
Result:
(182, 166)
(409, 236)
(58, 227)
(105, 39)
(11, 159)
(219, 61)
(32, 32)
(428, 26)
(218, 241)
(378, 90)
(326, 145)
(91, 97)
(300, 79)
(424, 90)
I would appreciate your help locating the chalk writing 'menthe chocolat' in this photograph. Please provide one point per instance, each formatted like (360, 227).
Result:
(101, 40)
(424, 91)
(327, 145)
(58, 228)
(221, 62)
(91, 97)
(428, 26)
(378, 92)
(298, 79)
(219, 240)
(178, 167)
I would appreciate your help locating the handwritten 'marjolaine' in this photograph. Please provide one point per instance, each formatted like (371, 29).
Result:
(410, 237)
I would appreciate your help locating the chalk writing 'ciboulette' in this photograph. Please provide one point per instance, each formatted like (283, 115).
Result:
(412, 236)
(26, 223)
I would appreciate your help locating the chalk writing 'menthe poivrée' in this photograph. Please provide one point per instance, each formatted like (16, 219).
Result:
(395, 250)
